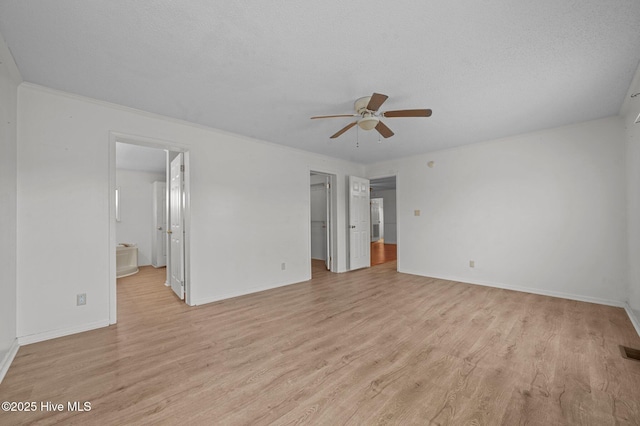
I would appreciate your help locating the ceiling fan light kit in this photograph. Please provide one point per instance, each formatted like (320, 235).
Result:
(368, 123)
(368, 117)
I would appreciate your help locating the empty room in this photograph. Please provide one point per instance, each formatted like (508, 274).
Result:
(421, 213)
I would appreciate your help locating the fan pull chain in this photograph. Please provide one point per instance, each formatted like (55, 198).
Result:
(357, 136)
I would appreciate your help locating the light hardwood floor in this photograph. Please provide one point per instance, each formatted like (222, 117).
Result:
(382, 252)
(366, 347)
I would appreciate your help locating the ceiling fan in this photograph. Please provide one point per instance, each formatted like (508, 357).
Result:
(368, 117)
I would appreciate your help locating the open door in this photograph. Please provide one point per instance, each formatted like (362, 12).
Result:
(159, 240)
(176, 228)
(359, 223)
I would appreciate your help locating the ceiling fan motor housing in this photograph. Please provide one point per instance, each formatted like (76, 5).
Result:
(361, 105)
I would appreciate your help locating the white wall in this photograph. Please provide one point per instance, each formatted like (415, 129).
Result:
(630, 112)
(249, 208)
(544, 211)
(389, 220)
(136, 210)
(9, 81)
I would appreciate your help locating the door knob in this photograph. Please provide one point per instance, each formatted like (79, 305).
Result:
(169, 232)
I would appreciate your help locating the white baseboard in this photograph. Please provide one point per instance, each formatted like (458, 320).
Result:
(8, 358)
(52, 334)
(570, 296)
(632, 316)
(211, 299)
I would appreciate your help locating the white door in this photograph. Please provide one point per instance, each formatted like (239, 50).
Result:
(159, 240)
(318, 221)
(329, 254)
(376, 219)
(359, 228)
(176, 231)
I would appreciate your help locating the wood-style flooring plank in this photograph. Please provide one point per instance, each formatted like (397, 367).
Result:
(366, 347)
(382, 252)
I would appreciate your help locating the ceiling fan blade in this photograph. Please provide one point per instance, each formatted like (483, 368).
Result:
(344, 129)
(384, 130)
(407, 113)
(376, 101)
(333, 116)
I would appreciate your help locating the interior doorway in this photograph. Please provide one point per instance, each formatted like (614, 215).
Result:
(321, 222)
(384, 226)
(149, 202)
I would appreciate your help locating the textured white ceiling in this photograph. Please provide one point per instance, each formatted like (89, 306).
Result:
(488, 68)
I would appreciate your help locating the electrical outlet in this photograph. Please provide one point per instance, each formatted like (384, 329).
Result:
(416, 212)
(81, 299)
(472, 263)
(283, 266)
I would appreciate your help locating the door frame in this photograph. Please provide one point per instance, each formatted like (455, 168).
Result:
(149, 143)
(333, 180)
(398, 216)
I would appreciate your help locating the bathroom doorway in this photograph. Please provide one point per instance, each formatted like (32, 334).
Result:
(144, 198)
(141, 174)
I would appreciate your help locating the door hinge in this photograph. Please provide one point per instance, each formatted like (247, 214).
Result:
(328, 186)
(182, 167)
